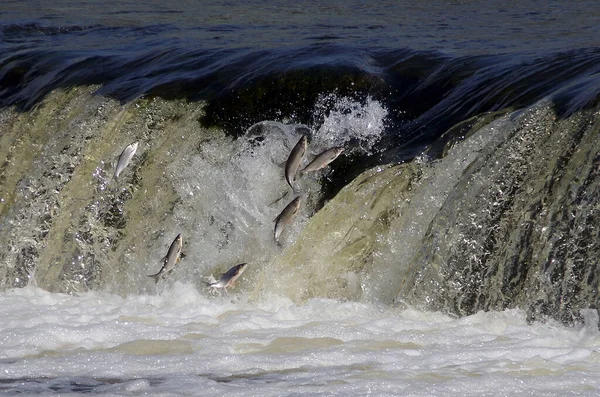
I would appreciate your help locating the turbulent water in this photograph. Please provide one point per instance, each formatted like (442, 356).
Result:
(452, 249)
(181, 342)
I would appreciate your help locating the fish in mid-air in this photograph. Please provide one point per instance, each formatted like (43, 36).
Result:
(228, 278)
(286, 217)
(170, 260)
(124, 159)
(294, 160)
(322, 160)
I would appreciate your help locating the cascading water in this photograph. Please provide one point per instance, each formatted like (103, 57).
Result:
(221, 193)
(483, 227)
(520, 226)
(464, 232)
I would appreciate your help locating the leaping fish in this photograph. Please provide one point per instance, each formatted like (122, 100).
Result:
(228, 279)
(286, 217)
(124, 159)
(322, 160)
(170, 260)
(294, 160)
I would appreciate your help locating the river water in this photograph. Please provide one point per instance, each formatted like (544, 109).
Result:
(181, 342)
(422, 262)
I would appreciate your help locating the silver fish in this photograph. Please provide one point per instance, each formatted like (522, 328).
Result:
(322, 160)
(170, 260)
(294, 160)
(125, 158)
(286, 217)
(228, 279)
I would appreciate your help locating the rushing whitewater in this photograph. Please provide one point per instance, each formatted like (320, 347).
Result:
(181, 342)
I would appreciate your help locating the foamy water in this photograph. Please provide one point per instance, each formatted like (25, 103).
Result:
(183, 341)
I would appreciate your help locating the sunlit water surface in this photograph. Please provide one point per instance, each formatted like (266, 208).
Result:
(185, 341)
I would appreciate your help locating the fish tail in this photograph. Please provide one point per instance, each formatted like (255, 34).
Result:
(113, 177)
(290, 183)
(156, 277)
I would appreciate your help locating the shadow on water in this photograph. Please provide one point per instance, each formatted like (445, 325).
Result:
(89, 385)
(82, 385)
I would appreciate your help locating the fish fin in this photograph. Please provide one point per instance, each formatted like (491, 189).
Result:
(299, 173)
(163, 259)
(178, 259)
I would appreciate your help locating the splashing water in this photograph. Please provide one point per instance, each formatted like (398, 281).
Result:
(349, 123)
(231, 190)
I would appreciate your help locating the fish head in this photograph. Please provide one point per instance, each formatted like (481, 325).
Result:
(338, 151)
(234, 273)
(240, 268)
(303, 143)
(179, 241)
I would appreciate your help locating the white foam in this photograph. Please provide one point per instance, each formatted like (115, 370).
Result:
(181, 339)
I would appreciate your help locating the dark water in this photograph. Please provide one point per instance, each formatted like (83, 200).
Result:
(432, 63)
